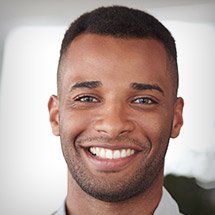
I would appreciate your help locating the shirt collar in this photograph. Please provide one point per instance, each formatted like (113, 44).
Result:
(167, 206)
(61, 210)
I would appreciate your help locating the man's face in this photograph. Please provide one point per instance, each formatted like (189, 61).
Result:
(115, 114)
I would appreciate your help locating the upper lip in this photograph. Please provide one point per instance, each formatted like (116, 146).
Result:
(112, 146)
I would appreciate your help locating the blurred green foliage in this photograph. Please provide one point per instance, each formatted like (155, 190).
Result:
(191, 198)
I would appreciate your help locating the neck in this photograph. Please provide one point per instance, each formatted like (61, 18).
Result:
(79, 203)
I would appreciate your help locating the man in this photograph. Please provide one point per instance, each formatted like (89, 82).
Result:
(115, 111)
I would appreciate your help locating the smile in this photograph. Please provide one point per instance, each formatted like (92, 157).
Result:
(110, 154)
(110, 158)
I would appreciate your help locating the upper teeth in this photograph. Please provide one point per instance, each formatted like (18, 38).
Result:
(111, 154)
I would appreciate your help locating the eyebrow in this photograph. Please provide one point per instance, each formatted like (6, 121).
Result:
(135, 86)
(142, 86)
(86, 84)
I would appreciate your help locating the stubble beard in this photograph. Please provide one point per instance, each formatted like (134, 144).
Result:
(106, 190)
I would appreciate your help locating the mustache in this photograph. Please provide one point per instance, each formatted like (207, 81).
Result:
(105, 139)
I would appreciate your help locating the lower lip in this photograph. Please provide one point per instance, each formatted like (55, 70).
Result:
(109, 165)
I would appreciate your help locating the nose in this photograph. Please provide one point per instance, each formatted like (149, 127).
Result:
(113, 121)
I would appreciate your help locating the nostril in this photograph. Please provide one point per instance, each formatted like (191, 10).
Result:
(114, 127)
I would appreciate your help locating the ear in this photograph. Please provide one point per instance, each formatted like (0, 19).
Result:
(53, 106)
(177, 118)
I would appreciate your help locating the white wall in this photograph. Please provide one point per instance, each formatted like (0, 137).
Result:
(33, 172)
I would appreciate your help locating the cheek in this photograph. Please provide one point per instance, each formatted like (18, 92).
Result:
(73, 124)
(156, 127)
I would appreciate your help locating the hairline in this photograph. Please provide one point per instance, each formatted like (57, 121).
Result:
(171, 63)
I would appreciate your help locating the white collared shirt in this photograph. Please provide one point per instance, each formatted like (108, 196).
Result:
(167, 206)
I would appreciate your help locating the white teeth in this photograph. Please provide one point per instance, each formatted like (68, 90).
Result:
(97, 150)
(116, 154)
(93, 151)
(111, 154)
(128, 152)
(123, 153)
(102, 153)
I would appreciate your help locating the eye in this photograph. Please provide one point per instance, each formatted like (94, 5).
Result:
(144, 100)
(86, 99)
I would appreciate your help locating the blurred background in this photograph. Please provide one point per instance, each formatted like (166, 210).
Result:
(32, 168)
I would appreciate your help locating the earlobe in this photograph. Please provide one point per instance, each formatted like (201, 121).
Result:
(177, 118)
(53, 106)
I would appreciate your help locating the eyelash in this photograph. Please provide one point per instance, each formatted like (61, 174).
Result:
(84, 98)
(145, 100)
(93, 99)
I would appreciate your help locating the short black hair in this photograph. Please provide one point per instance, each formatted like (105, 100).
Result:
(122, 22)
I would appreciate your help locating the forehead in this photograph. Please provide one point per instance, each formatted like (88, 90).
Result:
(96, 57)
